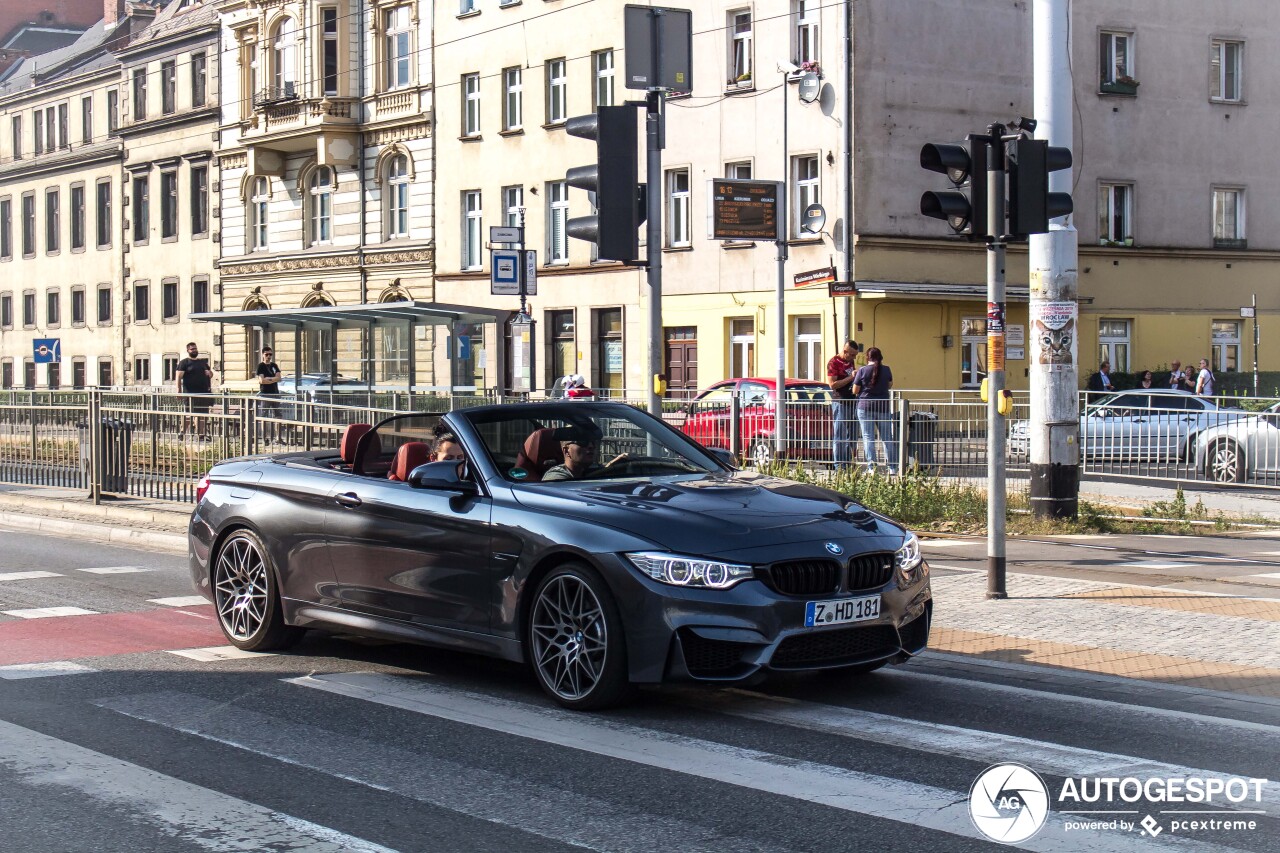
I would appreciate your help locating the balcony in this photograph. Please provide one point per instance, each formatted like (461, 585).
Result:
(289, 121)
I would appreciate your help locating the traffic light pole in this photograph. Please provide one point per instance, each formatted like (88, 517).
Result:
(995, 363)
(655, 141)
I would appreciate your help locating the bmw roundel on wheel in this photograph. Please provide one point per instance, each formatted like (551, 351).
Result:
(591, 541)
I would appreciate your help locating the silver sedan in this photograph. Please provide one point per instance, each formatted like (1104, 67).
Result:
(1243, 449)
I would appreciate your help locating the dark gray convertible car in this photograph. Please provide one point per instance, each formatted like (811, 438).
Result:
(591, 540)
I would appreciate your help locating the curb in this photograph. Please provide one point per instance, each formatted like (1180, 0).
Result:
(154, 518)
(124, 536)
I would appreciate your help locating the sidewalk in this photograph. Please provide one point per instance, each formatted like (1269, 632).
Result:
(137, 522)
(1263, 504)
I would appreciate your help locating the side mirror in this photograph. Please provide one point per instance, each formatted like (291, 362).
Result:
(725, 457)
(441, 476)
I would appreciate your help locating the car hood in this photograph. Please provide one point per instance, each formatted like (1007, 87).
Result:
(713, 513)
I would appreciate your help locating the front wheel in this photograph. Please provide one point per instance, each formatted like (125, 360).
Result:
(576, 646)
(762, 453)
(1226, 463)
(246, 596)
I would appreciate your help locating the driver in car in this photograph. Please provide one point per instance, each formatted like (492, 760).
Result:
(579, 459)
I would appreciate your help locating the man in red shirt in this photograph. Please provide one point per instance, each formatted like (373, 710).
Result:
(840, 370)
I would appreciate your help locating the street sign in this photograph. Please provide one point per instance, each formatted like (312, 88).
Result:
(744, 210)
(1248, 312)
(531, 272)
(813, 277)
(46, 350)
(659, 48)
(810, 86)
(504, 280)
(506, 234)
(841, 288)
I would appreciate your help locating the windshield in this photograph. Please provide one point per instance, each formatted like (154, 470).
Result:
(560, 442)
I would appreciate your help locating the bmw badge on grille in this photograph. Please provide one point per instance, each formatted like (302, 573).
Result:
(834, 548)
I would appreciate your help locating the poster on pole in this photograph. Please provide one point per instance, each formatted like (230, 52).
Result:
(1053, 334)
(995, 336)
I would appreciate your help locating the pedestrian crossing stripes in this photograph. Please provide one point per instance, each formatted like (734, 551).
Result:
(180, 601)
(116, 570)
(216, 653)
(48, 612)
(16, 672)
(26, 576)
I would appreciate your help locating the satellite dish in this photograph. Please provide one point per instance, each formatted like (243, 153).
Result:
(810, 86)
(813, 218)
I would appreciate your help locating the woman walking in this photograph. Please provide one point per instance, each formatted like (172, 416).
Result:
(871, 386)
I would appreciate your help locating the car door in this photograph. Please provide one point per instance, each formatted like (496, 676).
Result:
(710, 415)
(758, 410)
(1109, 427)
(1264, 444)
(418, 555)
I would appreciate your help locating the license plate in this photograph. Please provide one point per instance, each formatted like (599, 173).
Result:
(841, 610)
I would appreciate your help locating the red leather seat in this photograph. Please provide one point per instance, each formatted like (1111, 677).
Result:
(541, 451)
(408, 456)
(350, 440)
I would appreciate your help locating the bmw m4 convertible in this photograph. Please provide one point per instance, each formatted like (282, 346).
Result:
(590, 540)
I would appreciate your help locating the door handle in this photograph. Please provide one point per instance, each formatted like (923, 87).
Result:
(348, 499)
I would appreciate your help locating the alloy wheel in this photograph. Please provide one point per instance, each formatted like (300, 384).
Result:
(240, 588)
(570, 638)
(1224, 465)
(762, 454)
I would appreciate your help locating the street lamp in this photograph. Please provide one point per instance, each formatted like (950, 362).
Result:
(784, 232)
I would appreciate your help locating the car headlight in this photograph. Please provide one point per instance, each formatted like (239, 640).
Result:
(679, 570)
(907, 563)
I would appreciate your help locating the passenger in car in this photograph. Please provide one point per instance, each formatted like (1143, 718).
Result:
(448, 448)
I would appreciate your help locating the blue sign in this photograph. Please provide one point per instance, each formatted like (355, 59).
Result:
(504, 280)
(464, 347)
(47, 350)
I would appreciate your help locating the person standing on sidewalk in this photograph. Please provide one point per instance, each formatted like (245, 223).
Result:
(871, 386)
(195, 381)
(1206, 386)
(1177, 379)
(840, 370)
(268, 373)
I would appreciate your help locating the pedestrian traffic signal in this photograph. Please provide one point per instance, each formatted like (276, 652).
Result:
(614, 177)
(965, 207)
(1031, 205)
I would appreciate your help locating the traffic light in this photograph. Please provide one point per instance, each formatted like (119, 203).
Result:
(1031, 205)
(614, 180)
(965, 207)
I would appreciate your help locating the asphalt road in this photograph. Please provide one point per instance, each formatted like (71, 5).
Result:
(120, 737)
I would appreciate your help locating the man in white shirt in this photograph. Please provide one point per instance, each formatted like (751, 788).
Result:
(1205, 384)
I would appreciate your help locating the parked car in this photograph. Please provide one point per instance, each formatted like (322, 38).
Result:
(665, 564)
(808, 418)
(320, 387)
(1242, 449)
(1144, 424)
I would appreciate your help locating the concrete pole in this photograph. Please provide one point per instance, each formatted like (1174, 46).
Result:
(1055, 407)
(996, 493)
(784, 234)
(655, 141)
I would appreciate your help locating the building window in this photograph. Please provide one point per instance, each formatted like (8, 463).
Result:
(742, 347)
(678, 207)
(466, 6)
(512, 206)
(557, 87)
(740, 46)
(564, 348)
(141, 302)
(259, 198)
(1225, 67)
(398, 196)
(512, 105)
(329, 52)
(168, 205)
(808, 355)
(104, 305)
(139, 94)
(140, 204)
(64, 126)
(77, 217)
(284, 60)
(52, 309)
(29, 374)
(6, 311)
(1228, 218)
(77, 373)
(805, 192)
(6, 229)
(168, 87)
(470, 104)
(29, 309)
(609, 350)
(249, 80)
(1226, 346)
(320, 188)
(170, 367)
(37, 132)
(52, 222)
(1115, 213)
(17, 137)
(806, 12)
(602, 66)
(142, 370)
(199, 79)
(399, 30)
(1115, 55)
(6, 374)
(740, 171)
(113, 111)
(557, 221)
(77, 306)
(104, 373)
(53, 376)
(86, 119)
(199, 295)
(29, 225)
(1113, 344)
(973, 351)
(103, 214)
(169, 309)
(471, 236)
(199, 200)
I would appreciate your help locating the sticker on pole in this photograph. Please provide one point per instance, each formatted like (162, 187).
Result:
(1053, 334)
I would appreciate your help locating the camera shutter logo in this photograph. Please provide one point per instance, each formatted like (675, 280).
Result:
(1009, 803)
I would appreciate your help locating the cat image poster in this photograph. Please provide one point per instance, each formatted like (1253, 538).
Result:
(1054, 334)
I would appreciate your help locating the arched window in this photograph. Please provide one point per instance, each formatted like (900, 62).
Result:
(317, 341)
(259, 198)
(393, 342)
(284, 59)
(320, 190)
(397, 186)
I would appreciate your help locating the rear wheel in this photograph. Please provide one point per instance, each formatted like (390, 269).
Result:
(1226, 463)
(247, 598)
(762, 453)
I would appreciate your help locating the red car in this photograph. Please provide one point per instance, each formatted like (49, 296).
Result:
(808, 418)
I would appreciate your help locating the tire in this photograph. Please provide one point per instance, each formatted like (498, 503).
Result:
(246, 596)
(761, 453)
(575, 642)
(1225, 463)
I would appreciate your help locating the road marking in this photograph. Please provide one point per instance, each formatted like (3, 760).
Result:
(1272, 575)
(180, 601)
(103, 635)
(1160, 566)
(949, 543)
(934, 565)
(1165, 554)
(115, 570)
(208, 819)
(216, 653)
(853, 791)
(19, 671)
(48, 612)
(486, 792)
(27, 576)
